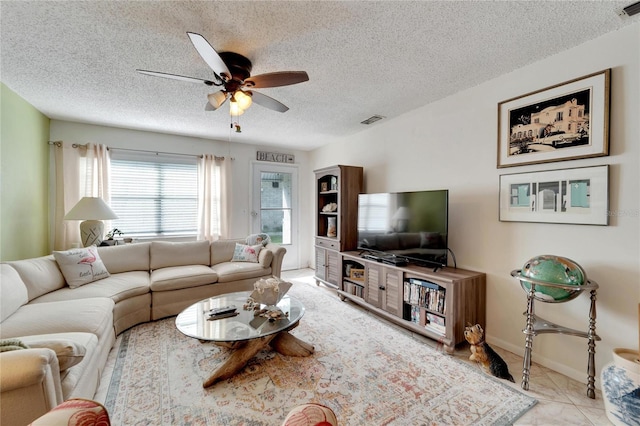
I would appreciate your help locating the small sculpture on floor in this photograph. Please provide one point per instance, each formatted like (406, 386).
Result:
(483, 354)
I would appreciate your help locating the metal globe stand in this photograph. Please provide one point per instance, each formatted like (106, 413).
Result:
(536, 325)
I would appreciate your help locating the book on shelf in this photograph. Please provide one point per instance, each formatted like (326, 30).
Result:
(415, 314)
(435, 323)
(426, 294)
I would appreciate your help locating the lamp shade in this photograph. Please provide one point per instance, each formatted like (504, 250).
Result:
(244, 100)
(93, 208)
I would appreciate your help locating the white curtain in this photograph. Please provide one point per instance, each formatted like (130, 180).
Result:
(213, 200)
(78, 171)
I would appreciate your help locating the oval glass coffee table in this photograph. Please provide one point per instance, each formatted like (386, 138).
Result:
(246, 333)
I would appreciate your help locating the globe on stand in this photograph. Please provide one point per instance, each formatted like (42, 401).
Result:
(553, 270)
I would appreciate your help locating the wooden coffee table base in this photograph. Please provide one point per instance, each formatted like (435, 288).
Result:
(283, 343)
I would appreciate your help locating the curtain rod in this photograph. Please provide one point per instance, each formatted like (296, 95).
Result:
(167, 153)
(75, 145)
(153, 152)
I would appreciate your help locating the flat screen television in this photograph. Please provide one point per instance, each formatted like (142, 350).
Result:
(405, 226)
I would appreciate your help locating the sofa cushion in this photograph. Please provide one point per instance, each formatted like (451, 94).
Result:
(69, 351)
(126, 257)
(94, 315)
(164, 254)
(41, 275)
(179, 277)
(232, 271)
(13, 292)
(81, 266)
(222, 250)
(245, 253)
(117, 287)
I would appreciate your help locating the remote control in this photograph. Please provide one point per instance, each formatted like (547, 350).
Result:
(220, 316)
(223, 310)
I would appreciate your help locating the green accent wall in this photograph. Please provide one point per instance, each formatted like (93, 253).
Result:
(24, 178)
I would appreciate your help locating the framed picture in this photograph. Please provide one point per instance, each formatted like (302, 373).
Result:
(578, 196)
(324, 186)
(356, 274)
(562, 122)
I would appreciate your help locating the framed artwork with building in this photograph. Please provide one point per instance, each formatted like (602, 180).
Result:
(562, 122)
(577, 196)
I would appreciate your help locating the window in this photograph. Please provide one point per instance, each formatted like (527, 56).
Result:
(154, 194)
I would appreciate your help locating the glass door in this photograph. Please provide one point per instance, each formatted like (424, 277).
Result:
(274, 208)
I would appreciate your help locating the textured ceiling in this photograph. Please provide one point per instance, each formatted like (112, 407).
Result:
(76, 61)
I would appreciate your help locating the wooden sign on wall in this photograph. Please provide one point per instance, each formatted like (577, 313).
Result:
(275, 157)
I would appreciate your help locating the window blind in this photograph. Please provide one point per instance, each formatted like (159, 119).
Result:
(154, 195)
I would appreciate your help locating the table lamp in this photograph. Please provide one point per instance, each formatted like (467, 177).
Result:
(92, 210)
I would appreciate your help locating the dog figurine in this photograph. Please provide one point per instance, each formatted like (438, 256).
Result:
(483, 354)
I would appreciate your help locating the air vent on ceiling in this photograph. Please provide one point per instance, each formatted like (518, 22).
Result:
(632, 9)
(372, 119)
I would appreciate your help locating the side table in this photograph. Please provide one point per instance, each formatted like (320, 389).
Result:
(536, 325)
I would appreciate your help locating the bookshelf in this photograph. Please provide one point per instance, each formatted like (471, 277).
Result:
(437, 305)
(337, 189)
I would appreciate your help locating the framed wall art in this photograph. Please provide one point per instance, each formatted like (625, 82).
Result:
(563, 122)
(578, 196)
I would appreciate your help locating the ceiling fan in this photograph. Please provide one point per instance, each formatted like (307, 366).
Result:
(232, 73)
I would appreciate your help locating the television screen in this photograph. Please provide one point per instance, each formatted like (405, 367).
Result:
(406, 225)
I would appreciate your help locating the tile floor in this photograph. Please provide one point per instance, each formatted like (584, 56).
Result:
(561, 400)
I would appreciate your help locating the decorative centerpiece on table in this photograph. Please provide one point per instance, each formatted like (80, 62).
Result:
(268, 291)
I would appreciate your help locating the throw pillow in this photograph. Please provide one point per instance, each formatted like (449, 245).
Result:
(254, 239)
(81, 266)
(245, 253)
(69, 353)
(7, 345)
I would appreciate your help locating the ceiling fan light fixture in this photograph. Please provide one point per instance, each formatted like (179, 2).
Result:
(242, 99)
(217, 99)
(234, 107)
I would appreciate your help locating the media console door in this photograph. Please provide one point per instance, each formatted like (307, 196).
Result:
(384, 288)
(328, 266)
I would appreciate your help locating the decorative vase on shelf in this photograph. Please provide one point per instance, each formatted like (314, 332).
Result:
(331, 227)
(621, 387)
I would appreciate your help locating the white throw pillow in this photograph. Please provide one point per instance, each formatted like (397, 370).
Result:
(254, 239)
(81, 266)
(69, 353)
(244, 253)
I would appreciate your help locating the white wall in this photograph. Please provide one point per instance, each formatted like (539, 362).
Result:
(452, 144)
(244, 156)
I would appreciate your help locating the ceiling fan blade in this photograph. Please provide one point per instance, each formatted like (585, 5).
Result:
(268, 102)
(210, 56)
(276, 79)
(216, 100)
(176, 77)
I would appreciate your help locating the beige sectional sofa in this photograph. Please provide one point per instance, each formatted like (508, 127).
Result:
(70, 331)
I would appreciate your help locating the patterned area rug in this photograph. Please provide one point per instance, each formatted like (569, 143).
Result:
(367, 371)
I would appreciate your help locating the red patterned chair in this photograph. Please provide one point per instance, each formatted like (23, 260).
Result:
(311, 415)
(75, 412)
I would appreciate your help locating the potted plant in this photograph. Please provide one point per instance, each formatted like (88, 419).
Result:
(109, 240)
